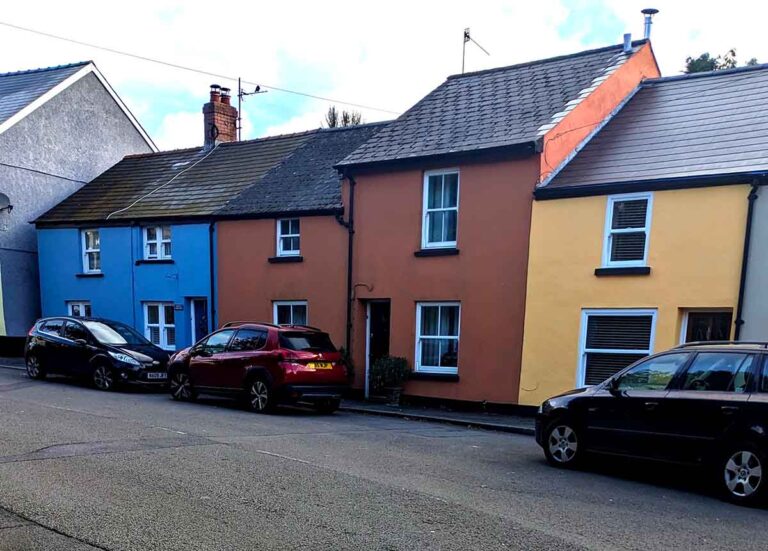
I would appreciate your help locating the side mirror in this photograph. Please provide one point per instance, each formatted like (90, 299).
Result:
(613, 387)
(81, 342)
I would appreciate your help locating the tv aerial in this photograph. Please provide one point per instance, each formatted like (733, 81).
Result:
(468, 38)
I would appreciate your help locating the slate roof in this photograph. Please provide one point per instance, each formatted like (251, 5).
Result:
(19, 89)
(500, 107)
(185, 183)
(704, 125)
(305, 181)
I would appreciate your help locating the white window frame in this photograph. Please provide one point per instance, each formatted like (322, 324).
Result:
(581, 371)
(280, 235)
(159, 242)
(608, 231)
(161, 325)
(425, 243)
(418, 367)
(290, 303)
(687, 311)
(81, 303)
(87, 251)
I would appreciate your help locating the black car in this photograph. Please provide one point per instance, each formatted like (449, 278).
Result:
(106, 352)
(700, 403)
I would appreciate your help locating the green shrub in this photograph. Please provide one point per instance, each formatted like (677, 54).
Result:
(388, 371)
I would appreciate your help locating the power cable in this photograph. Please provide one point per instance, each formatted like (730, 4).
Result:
(43, 173)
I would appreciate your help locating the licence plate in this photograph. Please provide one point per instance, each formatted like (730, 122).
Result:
(320, 365)
(157, 375)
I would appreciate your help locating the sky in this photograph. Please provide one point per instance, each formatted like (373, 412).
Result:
(385, 55)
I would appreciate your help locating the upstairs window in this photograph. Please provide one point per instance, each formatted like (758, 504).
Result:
(288, 237)
(627, 226)
(441, 209)
(157, 243)
(293, 312)
(91, 251)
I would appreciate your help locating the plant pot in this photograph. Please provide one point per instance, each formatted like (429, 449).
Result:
(394, 393)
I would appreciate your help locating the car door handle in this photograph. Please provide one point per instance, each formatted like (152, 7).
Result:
(651, 406)
(729, 410)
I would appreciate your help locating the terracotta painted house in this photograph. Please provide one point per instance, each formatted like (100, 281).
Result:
(440, 201)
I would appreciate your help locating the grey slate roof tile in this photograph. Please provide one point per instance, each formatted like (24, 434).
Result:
(700, 125)
(498, 107)
(19, 89)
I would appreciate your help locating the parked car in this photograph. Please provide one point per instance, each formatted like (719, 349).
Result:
(699, 403)
(107, 352)
(264, 364)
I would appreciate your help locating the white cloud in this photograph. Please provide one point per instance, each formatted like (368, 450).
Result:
(381, 54)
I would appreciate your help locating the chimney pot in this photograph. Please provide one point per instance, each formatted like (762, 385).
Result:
(627, 42)
(225, 97)
(215, 93)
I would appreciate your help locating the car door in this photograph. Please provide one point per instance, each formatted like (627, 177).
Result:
(710, 398)
(245, 351)
(206, 360)
(77, 348)
(49, 343)
(625, 415)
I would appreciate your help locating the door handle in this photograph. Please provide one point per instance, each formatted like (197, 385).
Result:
(729, 410)
(651, 406)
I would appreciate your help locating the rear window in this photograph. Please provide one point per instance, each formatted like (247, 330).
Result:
(52, 327)
(306, 341)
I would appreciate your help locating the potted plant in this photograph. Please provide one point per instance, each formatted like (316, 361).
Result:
(387, 376)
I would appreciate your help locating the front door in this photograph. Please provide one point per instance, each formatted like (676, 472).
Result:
(199, 319)
(378, 335)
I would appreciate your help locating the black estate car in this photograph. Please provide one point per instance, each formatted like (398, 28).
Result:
(699, 403)
(107, 352)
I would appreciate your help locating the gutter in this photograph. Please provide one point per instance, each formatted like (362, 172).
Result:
(350, 226)
(751, 198)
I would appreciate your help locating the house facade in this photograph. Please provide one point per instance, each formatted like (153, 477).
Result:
(442, 205)
(637, 242)
(59, 128)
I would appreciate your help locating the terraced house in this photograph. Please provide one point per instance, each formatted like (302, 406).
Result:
(638, 243)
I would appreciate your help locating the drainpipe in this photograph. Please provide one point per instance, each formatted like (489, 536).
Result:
(350, 225)
(751, 198)
(212, 275)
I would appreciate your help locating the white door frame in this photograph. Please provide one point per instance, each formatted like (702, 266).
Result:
(367, 347)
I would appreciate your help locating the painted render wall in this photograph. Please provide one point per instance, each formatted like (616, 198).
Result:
(248, 283)
(75, 136)
(125, 286)
(755, 313)
(695, 249)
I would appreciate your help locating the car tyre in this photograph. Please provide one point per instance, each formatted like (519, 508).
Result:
(327, 406)
(181, 387)
(34, 367)
(741, 474)
(562, 444)
(104, 377)
(260, 395)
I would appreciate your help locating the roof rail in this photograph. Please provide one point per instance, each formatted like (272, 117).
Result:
(238, 323)
(764, 344)
(302, 326)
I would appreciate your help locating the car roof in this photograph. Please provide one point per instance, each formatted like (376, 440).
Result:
(274, 326)
(723, 346)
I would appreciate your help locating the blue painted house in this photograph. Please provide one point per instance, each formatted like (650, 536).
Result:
(138, 243)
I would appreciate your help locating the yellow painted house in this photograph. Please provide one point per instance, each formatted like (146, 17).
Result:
(637, 242)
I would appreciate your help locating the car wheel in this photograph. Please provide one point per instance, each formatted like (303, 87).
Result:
(181, 387)
(327, 406)
(260, 396)
(561, 444)
(34, 368)
(741, 474)
(104, 377)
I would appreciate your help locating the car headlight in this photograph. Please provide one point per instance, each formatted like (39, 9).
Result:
(125, 358)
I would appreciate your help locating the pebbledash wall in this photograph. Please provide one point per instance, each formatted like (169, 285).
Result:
(125, 285)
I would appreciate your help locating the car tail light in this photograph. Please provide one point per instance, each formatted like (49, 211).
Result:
(31, 330)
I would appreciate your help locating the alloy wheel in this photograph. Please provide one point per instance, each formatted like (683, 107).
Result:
(563, 444)
(743, 474)
(103, 378)
(33, 367)
(259, 395)
(181, 387)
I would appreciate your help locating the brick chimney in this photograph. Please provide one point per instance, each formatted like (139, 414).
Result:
(219, 117)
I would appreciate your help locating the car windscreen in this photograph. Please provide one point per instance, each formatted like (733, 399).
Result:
(114, 333)
(306, 341)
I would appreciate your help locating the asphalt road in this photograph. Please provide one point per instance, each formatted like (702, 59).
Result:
(81, 469)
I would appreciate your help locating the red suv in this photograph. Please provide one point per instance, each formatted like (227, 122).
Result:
(264, 364)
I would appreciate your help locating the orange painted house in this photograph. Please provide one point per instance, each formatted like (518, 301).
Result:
(440, 202)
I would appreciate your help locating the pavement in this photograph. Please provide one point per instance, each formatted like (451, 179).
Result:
(83, 469)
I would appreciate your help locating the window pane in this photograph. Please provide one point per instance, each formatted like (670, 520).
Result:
(600, 366)
(295, 226)
(248, 339)
(741, 381)
(293, 243)
(449, 321)
(449, 353)
(299, 314)
(435, 226)
(283, 314)
(166, 249)
(629, 214)
(92, 239)
(435, 192)
(627, 246)
(708, 326)
(713, 371)
(169, 314)
(619, 332)
(653, 374)
(94, 261)
(166, 232)
(450, 190)
(430, 352)
(218, 341)
(151, 234)
(87, 312)
(430, 316)
(154, 335)
(449, 229)
(153, 314)
(170, 336)
(285, 227)
(152, 249)
(75, 310)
